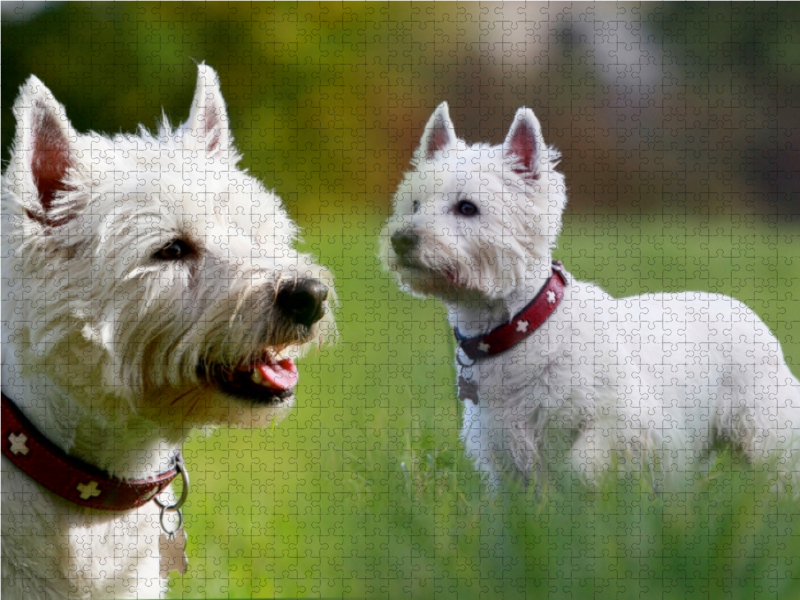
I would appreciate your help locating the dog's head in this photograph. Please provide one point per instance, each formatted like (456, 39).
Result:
(473, 219)
(149, 268)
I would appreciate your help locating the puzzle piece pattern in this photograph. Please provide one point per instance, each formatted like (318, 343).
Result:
(678, 126)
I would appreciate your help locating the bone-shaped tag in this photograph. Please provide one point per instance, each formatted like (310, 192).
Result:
(173, 557)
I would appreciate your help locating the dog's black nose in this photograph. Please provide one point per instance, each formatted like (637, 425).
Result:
(303, 301)
(403, 243)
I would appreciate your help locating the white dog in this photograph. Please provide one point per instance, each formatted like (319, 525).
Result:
(556, 373)
(149, 287)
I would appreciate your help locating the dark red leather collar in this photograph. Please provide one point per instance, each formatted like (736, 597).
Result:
(70, 477)
(528, 320)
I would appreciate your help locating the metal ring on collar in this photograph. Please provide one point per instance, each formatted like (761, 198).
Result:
(184, 492)
(167, 530)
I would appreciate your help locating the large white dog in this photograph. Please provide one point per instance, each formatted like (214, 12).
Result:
(149, 287)
(555, 373)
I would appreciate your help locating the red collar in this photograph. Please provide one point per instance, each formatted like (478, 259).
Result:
(70, 477)
(528, 320)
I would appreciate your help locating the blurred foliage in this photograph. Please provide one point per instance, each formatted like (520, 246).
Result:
(327, 100)
(740, 82)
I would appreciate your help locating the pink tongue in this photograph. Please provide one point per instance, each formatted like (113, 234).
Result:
(281, 375)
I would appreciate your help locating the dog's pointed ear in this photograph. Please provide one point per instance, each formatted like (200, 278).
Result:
(44, 150)
(208, 127)
(439, 134)
(525, 143)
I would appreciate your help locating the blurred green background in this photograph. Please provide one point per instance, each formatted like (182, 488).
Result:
(680, 130)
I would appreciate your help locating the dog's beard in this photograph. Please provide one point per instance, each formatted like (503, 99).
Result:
(202, 391)
(453, 277)
(219, 365)
(432, 277)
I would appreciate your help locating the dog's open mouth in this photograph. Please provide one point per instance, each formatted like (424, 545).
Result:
(451, 275)
(265, 380)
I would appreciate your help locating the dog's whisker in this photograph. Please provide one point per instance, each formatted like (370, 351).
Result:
(182, 396)
(190, 409)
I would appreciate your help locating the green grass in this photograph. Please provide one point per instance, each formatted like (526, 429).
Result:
(364, 491)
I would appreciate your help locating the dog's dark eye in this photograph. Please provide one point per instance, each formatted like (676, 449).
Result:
(175, 250)
(467, 208)
(415, 206)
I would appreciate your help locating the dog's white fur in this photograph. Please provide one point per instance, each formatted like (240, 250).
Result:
(648, 381)
(102, 342)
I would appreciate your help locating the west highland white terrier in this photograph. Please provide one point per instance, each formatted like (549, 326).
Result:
(150, 287)
(555, 373)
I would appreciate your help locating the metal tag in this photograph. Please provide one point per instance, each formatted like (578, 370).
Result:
(467, 390)
(173, 557)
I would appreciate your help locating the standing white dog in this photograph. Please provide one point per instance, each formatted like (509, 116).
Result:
(149, 287)
(555, 373)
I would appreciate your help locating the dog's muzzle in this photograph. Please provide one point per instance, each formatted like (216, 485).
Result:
(267, 378)
(404, 242)
(303, 301)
